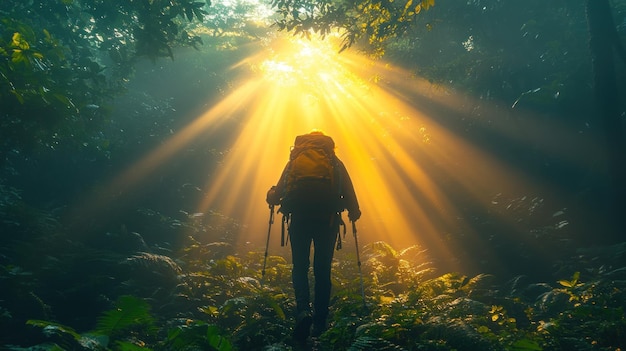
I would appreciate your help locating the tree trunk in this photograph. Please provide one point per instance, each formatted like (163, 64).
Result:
(604, 42)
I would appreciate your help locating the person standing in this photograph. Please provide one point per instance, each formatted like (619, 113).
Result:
(313, 190)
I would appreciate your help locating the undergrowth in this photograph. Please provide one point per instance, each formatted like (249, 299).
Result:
(62, 294)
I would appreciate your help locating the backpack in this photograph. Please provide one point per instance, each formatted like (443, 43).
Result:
(312, 183)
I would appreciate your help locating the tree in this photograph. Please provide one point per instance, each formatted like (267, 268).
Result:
(526, 54)
(230, 17)
(61, 61)
(604, 44)
(367, 22)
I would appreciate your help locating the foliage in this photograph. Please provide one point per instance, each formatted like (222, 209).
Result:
(527, 54)
(197, 334)
(61, 61)
(203, 295)
(129, 311)
(128, 314)
(369, 22)
(232, 18)
(164, 278)
(530, 54)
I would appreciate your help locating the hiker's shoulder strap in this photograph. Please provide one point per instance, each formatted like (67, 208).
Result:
(338, 172)
(283, 178)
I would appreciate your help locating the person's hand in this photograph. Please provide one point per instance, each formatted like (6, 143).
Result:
(354, 215)
(273, 198)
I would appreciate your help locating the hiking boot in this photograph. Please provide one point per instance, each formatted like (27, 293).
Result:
(302, 329)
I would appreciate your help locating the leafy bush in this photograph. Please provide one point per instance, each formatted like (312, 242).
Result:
(208, 295)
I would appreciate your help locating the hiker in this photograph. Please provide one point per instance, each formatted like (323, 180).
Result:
(313, 190)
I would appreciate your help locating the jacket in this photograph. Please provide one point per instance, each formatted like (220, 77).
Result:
(347, 196)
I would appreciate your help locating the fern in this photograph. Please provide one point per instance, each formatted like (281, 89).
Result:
(129, 346)
(52, 327)
(66, 338)
(197, 335)
(369, 343)
(129, 311)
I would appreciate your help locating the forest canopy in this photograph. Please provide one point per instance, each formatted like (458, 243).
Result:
(64, 60)
(70, 57)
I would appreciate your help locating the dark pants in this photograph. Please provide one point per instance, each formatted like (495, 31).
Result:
(322, 232)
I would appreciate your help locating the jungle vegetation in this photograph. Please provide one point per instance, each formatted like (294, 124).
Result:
(73, 113)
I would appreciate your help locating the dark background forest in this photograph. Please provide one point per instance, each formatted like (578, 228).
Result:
(88, 88)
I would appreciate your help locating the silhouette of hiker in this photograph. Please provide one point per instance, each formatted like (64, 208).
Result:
(313, 190)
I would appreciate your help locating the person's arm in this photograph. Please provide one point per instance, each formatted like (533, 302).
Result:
(274, 195)
(349, 195)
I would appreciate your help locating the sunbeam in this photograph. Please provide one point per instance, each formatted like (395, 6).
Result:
(384, 142)
(407, 165)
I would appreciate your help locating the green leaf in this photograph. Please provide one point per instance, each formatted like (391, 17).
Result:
(570, 283)
(129, 311)
(526, 345)
(189, 13)
(276, 307)
(565, 283)
(129, 346)
(216, 340)
(426, 4)
(64, 100)
(52, 326)
(19, 41)
(18, 96)
(197, 335)
(18, 56)
(483, 329)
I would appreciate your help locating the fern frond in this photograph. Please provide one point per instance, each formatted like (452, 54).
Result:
(381, 248)
(413, 252)
(129, 346)
(52, 327)
(154, 262)
(369, 343)
(482, 280)
(129, 311)
(197, 336)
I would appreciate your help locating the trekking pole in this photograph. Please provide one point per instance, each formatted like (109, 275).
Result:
(267, 243)
(358, 260)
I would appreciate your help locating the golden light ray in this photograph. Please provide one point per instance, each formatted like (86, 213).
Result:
(127, 182)
(398, 153)
(306, 86)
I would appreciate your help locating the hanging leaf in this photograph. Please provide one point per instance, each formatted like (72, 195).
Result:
(428, 4)
(19, 41)
(51, 327)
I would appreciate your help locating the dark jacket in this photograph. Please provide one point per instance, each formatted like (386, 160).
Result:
(347, 194)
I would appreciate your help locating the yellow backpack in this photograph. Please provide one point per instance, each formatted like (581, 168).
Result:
(311, 182)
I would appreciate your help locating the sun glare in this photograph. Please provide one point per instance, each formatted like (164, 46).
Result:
(397, 155)
(304, 85)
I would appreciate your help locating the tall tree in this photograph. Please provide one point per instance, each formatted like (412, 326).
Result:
(604, 43)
